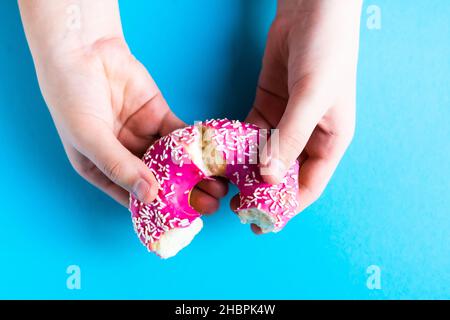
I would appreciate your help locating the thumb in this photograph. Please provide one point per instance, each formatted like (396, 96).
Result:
(287, 141)
(122, 167)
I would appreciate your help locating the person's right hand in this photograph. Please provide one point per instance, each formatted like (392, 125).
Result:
(108, 111)
(307, 91)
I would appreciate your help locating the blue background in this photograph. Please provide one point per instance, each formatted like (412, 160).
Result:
(388, 203)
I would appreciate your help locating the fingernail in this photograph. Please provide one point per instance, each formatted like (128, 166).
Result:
(141, 190)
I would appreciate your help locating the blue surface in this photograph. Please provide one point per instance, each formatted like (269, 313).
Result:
(387, 205)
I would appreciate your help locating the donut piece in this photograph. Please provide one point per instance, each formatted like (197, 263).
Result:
(268, 206)
(183, 158)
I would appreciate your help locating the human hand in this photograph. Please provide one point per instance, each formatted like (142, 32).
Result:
(108, 111)
(307, 90)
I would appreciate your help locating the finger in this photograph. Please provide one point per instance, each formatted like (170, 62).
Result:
(98, 179)
(268, 108)
(170, 123)
(150, 121)
(115, 161)
(318, 167)
(234, 203)
(86, 169)
(150, 113)
(153, 117)
(217, 188)
(256, 117)
(271, 93)
(314, 176)
(203, 202)
(256, 230)
(302, 114)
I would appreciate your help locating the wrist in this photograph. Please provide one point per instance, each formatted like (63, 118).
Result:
(57, 28)
(295, 8)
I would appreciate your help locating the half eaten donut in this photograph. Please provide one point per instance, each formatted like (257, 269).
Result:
(183, 158)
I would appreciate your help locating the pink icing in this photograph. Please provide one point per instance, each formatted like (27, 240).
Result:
(177, 175)
(238, 142)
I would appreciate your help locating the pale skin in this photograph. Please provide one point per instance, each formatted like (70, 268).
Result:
(105, 105)
(307, 90)
(108, 109)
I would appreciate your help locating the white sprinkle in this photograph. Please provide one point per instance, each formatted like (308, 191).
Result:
(169, 194)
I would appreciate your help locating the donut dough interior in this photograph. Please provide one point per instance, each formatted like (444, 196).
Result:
(172, 241)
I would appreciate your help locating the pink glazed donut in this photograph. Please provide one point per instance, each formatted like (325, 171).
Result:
(183, 158)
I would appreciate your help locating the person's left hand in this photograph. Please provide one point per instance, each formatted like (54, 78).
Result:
(108, 111)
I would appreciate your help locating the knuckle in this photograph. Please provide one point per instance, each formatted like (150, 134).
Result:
(302, 85)
(315, 197)
(313, 194)
(348, 135)
(293, 142)
(316, 194)
(79, 168)
(113, 170)
(82, 168)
